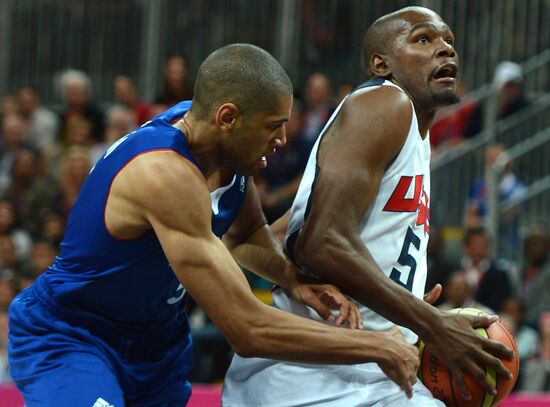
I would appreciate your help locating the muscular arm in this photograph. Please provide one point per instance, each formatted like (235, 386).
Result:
(368, 135)
(180, 214)
(352, 157)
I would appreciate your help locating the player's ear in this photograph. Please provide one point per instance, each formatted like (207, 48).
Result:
(226, 116)
(379, 65)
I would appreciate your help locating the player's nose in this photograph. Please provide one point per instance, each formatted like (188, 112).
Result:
(445, 49)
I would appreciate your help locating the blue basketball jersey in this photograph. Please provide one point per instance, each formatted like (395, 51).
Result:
(105, 323)
(126, 284)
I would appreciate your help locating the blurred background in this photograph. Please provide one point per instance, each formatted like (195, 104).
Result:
(76, 75)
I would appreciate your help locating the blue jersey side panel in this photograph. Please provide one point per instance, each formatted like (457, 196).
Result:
(127, 284)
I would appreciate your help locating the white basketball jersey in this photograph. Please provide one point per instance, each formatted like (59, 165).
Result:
(395, 229)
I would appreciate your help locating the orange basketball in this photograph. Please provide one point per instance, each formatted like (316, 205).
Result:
(436, 376)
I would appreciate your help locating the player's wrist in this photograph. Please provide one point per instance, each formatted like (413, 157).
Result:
(429, 323)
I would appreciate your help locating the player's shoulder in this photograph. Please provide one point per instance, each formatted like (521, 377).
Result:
(165, 171)
(385, 108)
(386, 99)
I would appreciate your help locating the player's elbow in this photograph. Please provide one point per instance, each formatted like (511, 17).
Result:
(249, 335)
(251, 342)
(243, 348)
(316, 251)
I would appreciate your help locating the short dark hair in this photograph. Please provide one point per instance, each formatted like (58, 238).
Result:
(379, 36)
(243, 74)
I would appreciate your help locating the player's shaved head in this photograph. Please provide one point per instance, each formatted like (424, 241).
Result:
(242, 74)
(381, 34)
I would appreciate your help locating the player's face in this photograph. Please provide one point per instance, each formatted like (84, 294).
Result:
(259, 136)
(423, 60)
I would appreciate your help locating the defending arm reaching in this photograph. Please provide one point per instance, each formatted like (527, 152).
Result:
(180, 215)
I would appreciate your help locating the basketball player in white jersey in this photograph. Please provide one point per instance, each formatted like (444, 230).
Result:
(361, 221)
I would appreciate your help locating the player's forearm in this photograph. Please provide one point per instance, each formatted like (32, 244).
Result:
(279, 335)
(255, 329)
(280, 225)
(350, 266)
(262, 254)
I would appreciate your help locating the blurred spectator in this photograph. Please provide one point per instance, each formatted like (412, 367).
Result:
(42, 256)
(175, 86)
(526, 337)
(537, 370)
(9, 227)
(450, 123)
(31, 195)
(319, 105)
(439, 267)
(459, 294)
(127, 95)
(12, 140)
(41, 124)
(120, 121)
(489, 278)
(78, 133)
(279, 182)
(52, 228)
(508, 81)
(9, 106)
(535, 274)
(510, 188)
(10, 265)
(77, 88)
(75, 166)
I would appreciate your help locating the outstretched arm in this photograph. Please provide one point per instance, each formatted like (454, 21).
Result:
(353, 157)
(180, 215)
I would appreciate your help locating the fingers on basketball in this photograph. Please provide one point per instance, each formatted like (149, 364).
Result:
(437, 376)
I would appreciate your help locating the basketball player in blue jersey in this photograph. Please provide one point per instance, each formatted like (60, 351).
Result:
(104, 325)
(361, 221)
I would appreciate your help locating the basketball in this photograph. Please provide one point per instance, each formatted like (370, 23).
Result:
(436, 376)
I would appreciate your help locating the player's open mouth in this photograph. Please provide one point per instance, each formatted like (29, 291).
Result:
(263, 158)
(446, 73)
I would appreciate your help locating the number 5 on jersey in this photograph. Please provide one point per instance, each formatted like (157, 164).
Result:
(406, 260)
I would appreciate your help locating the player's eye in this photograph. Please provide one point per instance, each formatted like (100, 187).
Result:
(276, 126)
(449, 41)
(423, 39)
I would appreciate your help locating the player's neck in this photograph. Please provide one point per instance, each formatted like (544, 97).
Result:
(203, 143)
(425, 121)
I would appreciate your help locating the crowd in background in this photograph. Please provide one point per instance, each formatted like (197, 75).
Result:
(45, 156)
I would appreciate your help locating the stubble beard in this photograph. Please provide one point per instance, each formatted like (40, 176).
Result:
(445, 98)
